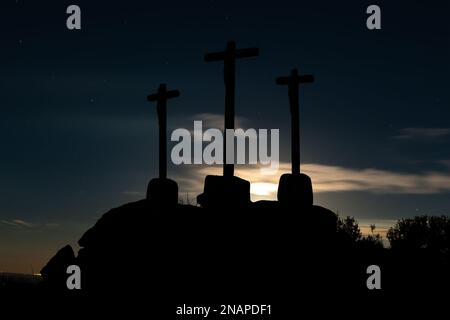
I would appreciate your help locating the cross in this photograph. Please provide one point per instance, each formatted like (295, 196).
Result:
(229, 57)
(293, 82)
(161, 98)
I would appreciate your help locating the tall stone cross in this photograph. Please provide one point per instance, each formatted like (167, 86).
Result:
(293, 82)
(161, 98)
(229, 57)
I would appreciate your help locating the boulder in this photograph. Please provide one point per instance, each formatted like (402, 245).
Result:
(295, 190)
(163, 191)
(223, 191)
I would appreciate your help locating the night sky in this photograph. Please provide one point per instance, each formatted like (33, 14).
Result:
(78, 137)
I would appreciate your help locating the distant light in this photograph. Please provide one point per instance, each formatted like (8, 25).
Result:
(263, 188)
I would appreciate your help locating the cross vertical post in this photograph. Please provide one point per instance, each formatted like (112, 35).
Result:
(229, 57)
(161, 98)
(293, 82)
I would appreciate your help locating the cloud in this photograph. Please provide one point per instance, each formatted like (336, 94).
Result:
(422, 133)
(8, 223)
(17, 223)
(24, 224)
(326, 178)
(335, 178)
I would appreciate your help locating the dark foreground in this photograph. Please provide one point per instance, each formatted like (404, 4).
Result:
(266, 255)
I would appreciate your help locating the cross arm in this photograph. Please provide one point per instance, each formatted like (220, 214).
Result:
(166, 95)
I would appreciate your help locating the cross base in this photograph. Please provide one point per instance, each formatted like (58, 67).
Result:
(295, 190)
(163, 191)
(224, 191)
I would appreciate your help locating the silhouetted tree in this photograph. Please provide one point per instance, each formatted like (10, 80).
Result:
(348, 230)
(372, 241)
(350, 235)
(430, 232)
